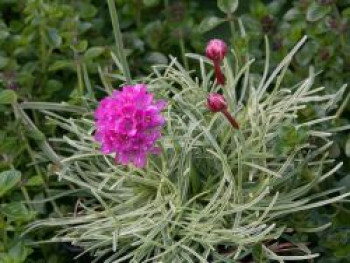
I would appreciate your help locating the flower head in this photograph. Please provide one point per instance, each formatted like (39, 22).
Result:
(128, 123)
(216, 102)
(216, 50)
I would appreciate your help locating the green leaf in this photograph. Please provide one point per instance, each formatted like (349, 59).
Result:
(81, 46)
(17, 211)
(94, 52)
(156, 58)
(61, 64)
(8, 97)
(54, 85)
(35, 135)
(347, 147)
(195, 180)
(316, 12)
(302, 135)
(291, 14)
(87, 10)
(275, 7)
(289, 137)
(4, 34)
(210, 23)
(8, 180)
(258, 9)
(344, 182)
(83, 27)
(258, 254)
(53, 37)
(306, 54)
(346, 12)
(343, 251)
(36, 180)
(19, 252)
(3, 61)
(228, 6)
(150, 3)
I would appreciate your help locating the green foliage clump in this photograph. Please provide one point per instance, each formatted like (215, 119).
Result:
(47, 47)
(214, 194)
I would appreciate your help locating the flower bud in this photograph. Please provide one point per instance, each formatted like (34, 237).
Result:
(216, 50)
(216, 102)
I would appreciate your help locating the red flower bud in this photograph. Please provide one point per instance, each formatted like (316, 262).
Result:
(216, 102)
(216, 50)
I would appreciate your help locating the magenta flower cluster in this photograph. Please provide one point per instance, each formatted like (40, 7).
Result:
(128, 123)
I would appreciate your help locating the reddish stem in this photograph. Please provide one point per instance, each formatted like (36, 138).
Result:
(231, 119)
(220, 78)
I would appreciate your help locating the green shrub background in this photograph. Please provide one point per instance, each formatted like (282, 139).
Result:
(47, 46)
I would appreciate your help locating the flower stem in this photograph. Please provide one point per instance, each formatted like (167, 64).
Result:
(231, 119)
(119, 41)
(80, 79)
(220, 78)
(183, 49)
(230, 18)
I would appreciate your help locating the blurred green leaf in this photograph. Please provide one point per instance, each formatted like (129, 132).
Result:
(210, 23)
(35, 135)
(258, 9)
(3, 61)
(8, 97)
(291, 14)
(17, 211)
(8, 180)
(87, 10)
(156, 58)
(3, 35)
(275, 7)
(94, 52)
(344, 182)
(316, 11)
(53, 85)
(343, 251)
(289, 137)
(150, 3)
(61, 64)
(81, 46)
(305, 55)
(346, 12)
(53, 37)
(228, 6)
(347, 147)
(195, 180)
(19, 252)
(258, 254)
(35, 181)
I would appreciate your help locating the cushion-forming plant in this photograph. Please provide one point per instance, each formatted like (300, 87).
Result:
(214, 192)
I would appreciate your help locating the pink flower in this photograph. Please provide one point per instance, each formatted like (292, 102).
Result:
(216, 51)
(128, 123)
(217, 103)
